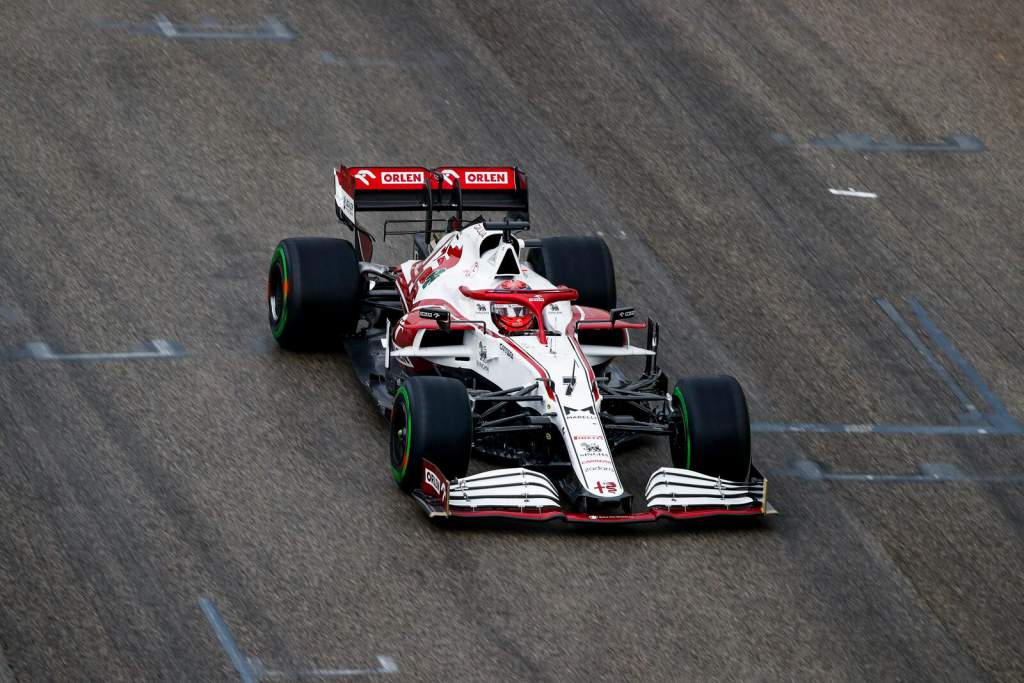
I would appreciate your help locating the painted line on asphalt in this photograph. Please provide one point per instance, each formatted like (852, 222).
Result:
(999, 416)
(166, 26)
(227, 642)
(251, 669)
(853, 193)
(865, 143)
(972, 410)
(928, 473)
(843, 428)
(385, 665)
(158, 348)
(271, 28)
(995, 422)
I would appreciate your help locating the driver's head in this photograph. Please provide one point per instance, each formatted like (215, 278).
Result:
(512, 317)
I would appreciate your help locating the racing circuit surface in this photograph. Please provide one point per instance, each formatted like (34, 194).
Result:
(204, 507)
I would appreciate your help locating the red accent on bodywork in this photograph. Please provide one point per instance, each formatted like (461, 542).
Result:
(411, 323)
(570, 332)
(535, 300)
(600, 319)
(529, 359)
(583, 518)
(607, 325)
(346, 181)
(435, 484)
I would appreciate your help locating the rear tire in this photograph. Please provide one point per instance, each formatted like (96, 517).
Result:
(583, 263)
(314, 291)
(711, 428)
(430, 419)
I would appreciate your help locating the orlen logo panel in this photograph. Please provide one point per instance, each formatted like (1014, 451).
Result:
(485, 177)
(433, 481)
(401, 177)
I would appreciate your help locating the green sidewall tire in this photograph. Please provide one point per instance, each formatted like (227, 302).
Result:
(431, 419)
(711, 427)
(314, 293)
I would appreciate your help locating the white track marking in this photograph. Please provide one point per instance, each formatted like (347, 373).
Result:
(277, 29)
(161, 349)
(166, 26)
(387, 665)
(241, 663)
(854, 193)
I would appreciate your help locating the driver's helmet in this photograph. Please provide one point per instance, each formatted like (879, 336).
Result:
(512, 317)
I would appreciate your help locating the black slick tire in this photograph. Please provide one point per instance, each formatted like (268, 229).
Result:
(711, 427)
(314, 291)
(583, 263)
(430, 419)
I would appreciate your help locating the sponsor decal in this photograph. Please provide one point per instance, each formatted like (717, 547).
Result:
(504, 350)
(449, 175)
(596, 467)
(364, 175)
(587, 437)
(401, 177)
(449, 256)
(346, 204)
(591, 448)
(483, 350)
(484, 177)
(536, 297)
(579, 413)
(433, 483)
(431, 277)
(606, 487)
(481, 308)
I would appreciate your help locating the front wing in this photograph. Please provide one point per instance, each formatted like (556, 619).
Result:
(523, 494)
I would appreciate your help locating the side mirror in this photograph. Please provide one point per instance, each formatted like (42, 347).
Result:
(622, 313)
(442, 315)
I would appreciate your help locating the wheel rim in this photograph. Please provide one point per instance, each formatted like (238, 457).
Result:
(277, 293)
(684, 427)
(275, 300)
(401, 435)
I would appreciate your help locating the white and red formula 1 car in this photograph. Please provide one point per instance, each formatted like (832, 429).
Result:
(491, 345)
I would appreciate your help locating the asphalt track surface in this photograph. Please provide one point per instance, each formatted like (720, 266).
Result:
(144, 181)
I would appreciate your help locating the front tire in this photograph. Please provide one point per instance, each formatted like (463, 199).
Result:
(711, 428)
(431, 419)
(314, 291)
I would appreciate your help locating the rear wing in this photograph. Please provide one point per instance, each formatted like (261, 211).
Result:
(450, 189)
